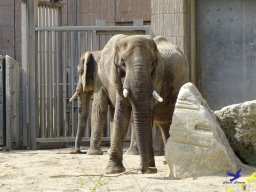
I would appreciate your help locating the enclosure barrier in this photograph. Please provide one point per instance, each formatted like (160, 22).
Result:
(10, 130)
(58, 50)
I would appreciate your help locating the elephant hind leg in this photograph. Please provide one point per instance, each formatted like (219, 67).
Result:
(99, 114)
(165, 134)
(165, 131)
(158, 141)
(133, 148)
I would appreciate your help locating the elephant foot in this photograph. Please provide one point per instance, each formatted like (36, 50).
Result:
(76, 151)
(92, 151)
(132, 151)
(113, 168)
(151, 170)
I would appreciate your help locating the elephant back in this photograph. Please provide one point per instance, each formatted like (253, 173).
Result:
(174, 60)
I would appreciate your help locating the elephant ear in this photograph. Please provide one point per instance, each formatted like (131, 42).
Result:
(85, 71)
(109, 60)
(157, 69)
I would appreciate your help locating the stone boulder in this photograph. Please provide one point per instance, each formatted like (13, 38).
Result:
(239, 124)
(197, 145)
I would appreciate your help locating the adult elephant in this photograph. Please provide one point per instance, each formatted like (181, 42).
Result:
(132, 71)
(175, 76)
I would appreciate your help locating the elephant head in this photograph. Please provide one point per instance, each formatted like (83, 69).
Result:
(86, 69)
(137, 61)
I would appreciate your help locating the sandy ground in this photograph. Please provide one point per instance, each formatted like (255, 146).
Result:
(57, 170)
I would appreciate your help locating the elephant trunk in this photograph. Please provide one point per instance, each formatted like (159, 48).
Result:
(83, 113)
(142, 124)
(140, 89)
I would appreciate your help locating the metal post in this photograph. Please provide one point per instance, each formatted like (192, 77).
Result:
(30, 72)
(193, 42)
(24, 61)
(2, 103)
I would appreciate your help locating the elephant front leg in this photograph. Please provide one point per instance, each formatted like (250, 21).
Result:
(99, 114)
(120, 126)
(83, 112)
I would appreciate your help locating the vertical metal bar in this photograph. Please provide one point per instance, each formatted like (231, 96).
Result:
(50, 78)
(69, 91)
(2, 103)
(57, 63)
(48, 120)
(45, 72)
(95, 44)
(32, 15)
(193, 74)
(72, 80)
(24, 61)
(79, 43)
(38, 74)
(42, 71)
(54, 105)
(58, 86)
(86, 40)
(64, 73)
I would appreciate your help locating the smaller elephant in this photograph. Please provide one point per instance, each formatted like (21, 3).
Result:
(88, 79)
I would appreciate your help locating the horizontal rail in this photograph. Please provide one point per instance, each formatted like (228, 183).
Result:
(71, 139)
(92, 28)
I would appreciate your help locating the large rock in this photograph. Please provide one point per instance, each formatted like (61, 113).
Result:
(197, 145)
(239, 124)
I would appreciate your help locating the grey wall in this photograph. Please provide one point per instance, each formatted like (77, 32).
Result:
(10, 28)
(226, 51)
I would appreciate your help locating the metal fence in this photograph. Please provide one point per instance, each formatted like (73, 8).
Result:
(58, 51)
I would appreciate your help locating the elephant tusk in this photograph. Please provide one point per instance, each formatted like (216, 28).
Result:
(125, 93)
(73, 97)
(157, 97)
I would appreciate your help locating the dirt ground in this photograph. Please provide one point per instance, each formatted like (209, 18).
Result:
(57, 170)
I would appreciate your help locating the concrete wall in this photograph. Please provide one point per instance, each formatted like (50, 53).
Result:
(168, 18)
(91, 10)
(114, 12)
(10, 28)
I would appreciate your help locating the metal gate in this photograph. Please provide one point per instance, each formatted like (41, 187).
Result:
(50, 56)
(226, 51)
(58, 52)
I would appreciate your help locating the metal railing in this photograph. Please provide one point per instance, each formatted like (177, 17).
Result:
(58, 51)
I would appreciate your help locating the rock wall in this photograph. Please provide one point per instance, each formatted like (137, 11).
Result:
(238, 122)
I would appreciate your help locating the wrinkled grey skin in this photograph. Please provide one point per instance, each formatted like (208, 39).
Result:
(89, 85)
(134, 63)
(176, 62)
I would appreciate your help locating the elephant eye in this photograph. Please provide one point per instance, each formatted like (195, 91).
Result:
(122, 63)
